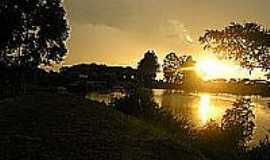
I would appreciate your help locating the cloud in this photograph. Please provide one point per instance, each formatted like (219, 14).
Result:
(114, 13)
(176, 31)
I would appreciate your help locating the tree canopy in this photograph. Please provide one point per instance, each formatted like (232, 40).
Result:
(148, 67)
(248, 43)
(170, 65)
(32, 32)
(173, 67)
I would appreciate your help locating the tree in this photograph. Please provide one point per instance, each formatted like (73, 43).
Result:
(238, 122)
(140, 103)
(228, 140)
(248, 43)
(170, 64)
(33, 32)
(174, 67)
(190, 77)
(148, 67)
(187, 61)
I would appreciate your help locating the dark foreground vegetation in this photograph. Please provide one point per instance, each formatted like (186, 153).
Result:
(45, 125)
(225, 141)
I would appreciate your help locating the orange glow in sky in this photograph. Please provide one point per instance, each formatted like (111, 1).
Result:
(210, 67)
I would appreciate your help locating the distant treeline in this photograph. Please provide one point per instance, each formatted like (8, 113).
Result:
(78, 78)
(84, 78)
(241, 87)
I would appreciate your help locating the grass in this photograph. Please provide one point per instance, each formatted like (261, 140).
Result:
(44, 125)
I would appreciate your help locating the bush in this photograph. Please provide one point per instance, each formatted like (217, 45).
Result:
(225, 141)
(262, 151)
(140, 103)
(214, 142)
(228, 140)
(238, 123)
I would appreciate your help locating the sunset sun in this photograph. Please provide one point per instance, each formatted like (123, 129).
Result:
(210, 68)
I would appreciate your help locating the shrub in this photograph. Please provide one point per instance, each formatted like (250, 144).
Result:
(228, 140)
(262, 151)
(140, 103)
(238, 122)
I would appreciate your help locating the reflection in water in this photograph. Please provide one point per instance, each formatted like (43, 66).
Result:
(205, 108)
(202, 107)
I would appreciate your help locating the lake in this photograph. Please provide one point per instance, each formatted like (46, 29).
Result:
(199, 108)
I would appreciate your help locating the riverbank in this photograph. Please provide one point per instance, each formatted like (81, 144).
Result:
(43, 125)
(243, 88)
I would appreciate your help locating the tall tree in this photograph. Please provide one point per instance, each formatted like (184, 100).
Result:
(248, 43)
(175, 67)
(33, 32)
(187, 61)
(148, 67)
(170, 64)
(189, 76)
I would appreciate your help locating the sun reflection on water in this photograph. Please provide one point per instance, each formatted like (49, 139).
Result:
(207, 110)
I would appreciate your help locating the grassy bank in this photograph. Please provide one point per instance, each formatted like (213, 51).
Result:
(43, 125)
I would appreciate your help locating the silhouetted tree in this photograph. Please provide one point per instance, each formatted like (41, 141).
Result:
(248, 43)
(170, 65)
(32, 32)
(186, 68)
(148, 67)
(175, 68)
(140, 103)
(187, 61)
(238, 122)
(228, 140)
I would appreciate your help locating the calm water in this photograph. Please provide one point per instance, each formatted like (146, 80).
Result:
(202, 107)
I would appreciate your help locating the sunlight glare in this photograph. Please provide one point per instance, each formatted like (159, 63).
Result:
(207, 110)
(211, 68)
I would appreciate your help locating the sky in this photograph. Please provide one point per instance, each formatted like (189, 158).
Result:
(119, 32)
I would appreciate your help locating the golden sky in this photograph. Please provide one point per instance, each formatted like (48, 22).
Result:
(118, 32)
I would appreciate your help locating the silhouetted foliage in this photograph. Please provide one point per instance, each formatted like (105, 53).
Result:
(214, 143)
(96, 72)
(248, 43)
(170, 65)
(262, 151)
(176, 69)
(187, 61)
(228, 140)
(32, 32)
(140, 104)
(190, 78)
(238, 122)
(148, 67)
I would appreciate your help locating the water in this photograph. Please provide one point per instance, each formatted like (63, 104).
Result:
(202, 107)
